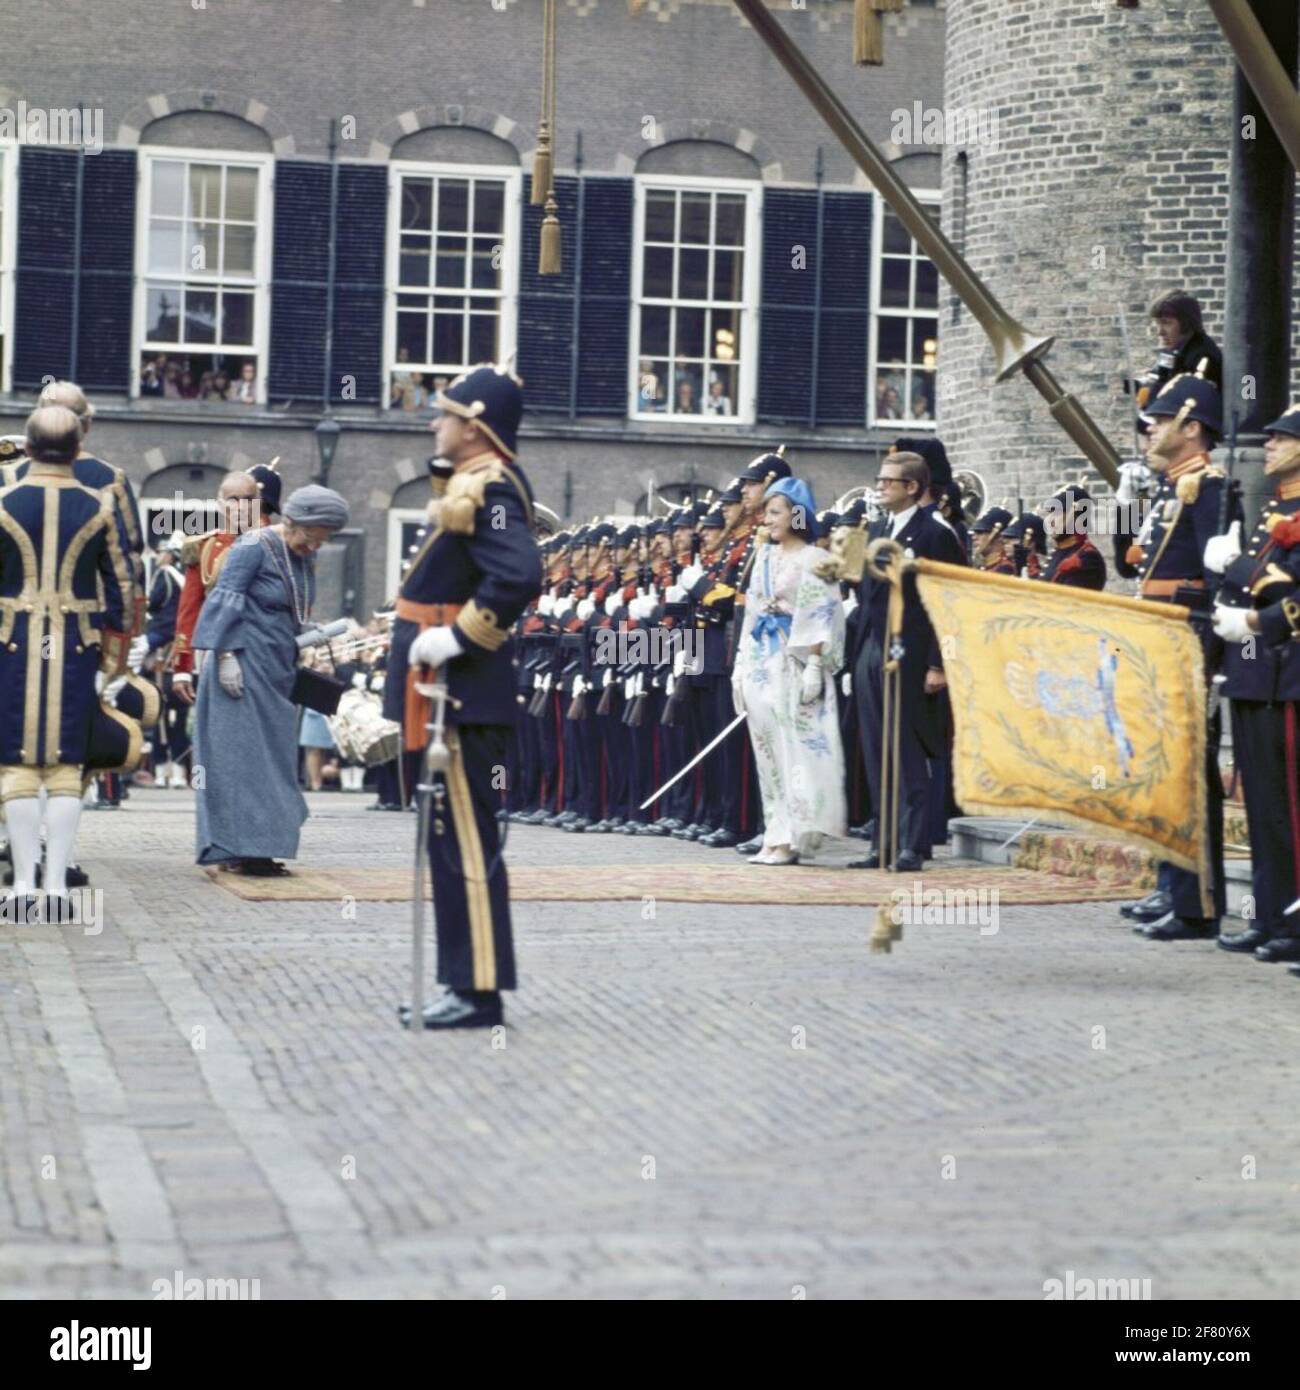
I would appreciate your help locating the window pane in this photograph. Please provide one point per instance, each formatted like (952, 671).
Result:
(166, 243)
(239, 250)
(413, 337)
(162, 314)
(651, 389)
(721, 398)
(695, 217)
(693, 274)
(657, 279)
(925, 341)
(656, 321)
(453, 205)
(895, 238)
(417, 205)
(922, 396)
(895, 284)
(728, 272)
(167, 192)
(686, 391)
(203, 254)
(236, 319)
(413, 262)
(690, 332)
(660, 215)
(730, 229)
(485, 273)
(205, 191)
(449, 338)
(200, 316)
(483, 337)
(241, 195)
(889, 395)
(891, 340)
(449, 273)
(725, 335)
(927, 285)
(489, 207)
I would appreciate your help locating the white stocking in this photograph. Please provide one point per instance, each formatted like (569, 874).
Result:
(24, 819)
(62, 814)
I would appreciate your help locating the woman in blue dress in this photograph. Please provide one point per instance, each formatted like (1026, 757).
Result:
(250, 808)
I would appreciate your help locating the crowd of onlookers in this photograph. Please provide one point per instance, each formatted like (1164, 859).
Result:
(174, 378)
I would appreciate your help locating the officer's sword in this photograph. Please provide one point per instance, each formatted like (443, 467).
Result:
(698, 758)
(437, 759)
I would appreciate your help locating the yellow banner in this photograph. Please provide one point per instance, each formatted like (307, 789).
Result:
(1086, 709)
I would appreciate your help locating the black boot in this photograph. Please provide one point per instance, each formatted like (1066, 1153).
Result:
(1149, 909)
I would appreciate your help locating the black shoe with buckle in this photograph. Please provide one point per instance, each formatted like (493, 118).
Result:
(1174, 928)
(1149, 909)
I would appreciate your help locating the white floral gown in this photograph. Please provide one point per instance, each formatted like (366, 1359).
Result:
(789, 609)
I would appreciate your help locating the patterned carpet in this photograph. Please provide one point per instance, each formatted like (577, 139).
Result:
(705, 884)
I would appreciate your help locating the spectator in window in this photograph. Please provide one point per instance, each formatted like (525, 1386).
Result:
(220, 386)
(415, 396)
(188, 387)
(396, 392)
(245, 389)
(151, 382)
(893, 403)
(649, 388)
(920, 404)
(206, 389)
(883, 409)
(718, 404)
(172, 381)
(402, 377)
(686, 400)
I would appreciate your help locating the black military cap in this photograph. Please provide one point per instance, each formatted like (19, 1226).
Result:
(1187, 397)
(827, 521)
(603, 531)
(683, 517)
(854, 512)
(1028, 530)
(657, 527)
(1286, 423)
(712, 521)
(628, 535)
(269, 485)
(934, 454)
(731, 493)
(766, 468)
(493, 397)
(995, 519)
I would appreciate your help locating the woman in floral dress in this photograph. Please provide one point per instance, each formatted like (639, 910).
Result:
(791, 646)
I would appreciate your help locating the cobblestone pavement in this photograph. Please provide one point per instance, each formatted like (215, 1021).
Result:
(691, 1102)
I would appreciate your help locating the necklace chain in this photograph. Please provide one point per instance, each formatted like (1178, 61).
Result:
(285, 567)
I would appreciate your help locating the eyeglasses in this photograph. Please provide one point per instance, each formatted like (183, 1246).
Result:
(883, 478)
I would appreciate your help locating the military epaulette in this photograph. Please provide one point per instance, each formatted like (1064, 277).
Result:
(466, 491)
(1188, 488)
(193, 547)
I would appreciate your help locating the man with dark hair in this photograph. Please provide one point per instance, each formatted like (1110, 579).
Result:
(1184, 346)
(900, 485)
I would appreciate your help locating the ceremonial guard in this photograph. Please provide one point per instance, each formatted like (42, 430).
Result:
(990, 551)
(471, 579)
(1028, 541)
(203, 556)
(1262, 681)
(171, 741)
(1075, 561)
(1189, 508)
(63, 619)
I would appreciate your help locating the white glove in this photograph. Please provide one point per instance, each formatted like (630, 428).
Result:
(613, 602)
(579, 686)
(586, 608)
(738, 696)
(1232, 623)
(546, 605)
(1134, 476)
(629, 688)
(675, 593)
(641, 608)
(377, 683)
(359, 681)
(562, 606)
(435, 646)
(679, 662)
(1221, 551)
(691, 576)
(810, 685)
(230, 675)
(846, 682)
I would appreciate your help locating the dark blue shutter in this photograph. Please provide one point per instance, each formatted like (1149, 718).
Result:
(787, 325)
(359, 283)
(107, 271)
(606, 297)
(544, 357)
(300, 267)
(47, 186)
(846, 301)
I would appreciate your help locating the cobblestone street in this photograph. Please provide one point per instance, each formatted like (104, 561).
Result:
(221, 1088)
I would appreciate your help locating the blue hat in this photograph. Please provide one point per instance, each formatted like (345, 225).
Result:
(492, 397)
(1187, 397)
(800, 496)
(1286, 423)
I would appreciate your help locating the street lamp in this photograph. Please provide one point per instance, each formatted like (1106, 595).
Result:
(327, 441)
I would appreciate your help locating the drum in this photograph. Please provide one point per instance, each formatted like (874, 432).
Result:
(361, 732)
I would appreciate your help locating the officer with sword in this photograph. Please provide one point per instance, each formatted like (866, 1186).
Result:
(452, 681)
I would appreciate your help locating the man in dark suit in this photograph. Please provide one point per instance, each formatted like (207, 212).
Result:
(900, 485)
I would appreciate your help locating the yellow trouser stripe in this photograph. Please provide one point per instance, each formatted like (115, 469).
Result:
(473, 869)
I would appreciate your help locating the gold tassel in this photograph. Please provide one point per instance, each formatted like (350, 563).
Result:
(882, 934)
(868, 36)
(543, 161)
(549, 260)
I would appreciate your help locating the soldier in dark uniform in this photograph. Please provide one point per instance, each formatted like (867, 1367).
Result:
(1262, 681)
(476, 571)
(1186, 423)
(1027, 537)
(1075, 560)
(989, 550)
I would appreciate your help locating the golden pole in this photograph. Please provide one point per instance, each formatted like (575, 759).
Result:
(1258, 59)
(1014, 347)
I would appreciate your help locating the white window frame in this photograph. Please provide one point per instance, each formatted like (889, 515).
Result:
(8, 255)
(261, 282)
(746, 402)
(928, 197)
(508, 327)
(395, 557)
